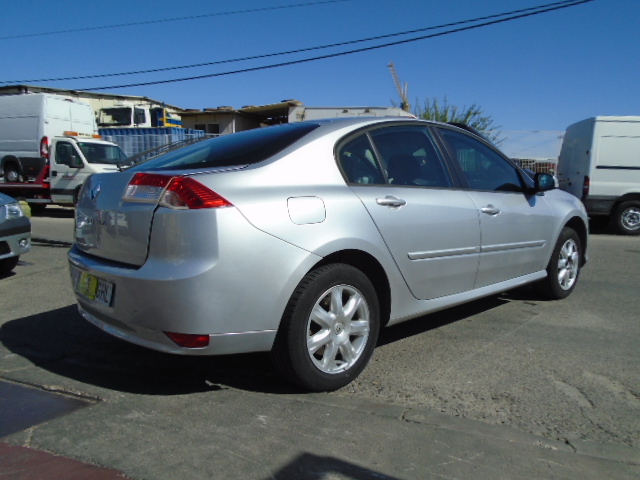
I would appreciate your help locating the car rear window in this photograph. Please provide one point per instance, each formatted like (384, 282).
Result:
(243, 148)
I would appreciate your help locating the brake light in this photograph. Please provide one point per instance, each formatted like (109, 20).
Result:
(585, 188)
(179, 193)
(44, 147)
(188, 340)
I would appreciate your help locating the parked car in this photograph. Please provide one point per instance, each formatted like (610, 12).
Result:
(304, 239)
(15, 233)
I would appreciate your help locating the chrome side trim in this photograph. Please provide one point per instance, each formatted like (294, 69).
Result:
(443, 253)
(514, 246)
(474, 250)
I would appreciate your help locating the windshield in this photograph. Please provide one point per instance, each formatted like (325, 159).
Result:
(98, 153)
(244, 148)
(117, 116)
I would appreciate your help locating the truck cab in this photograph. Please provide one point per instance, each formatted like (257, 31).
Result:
(136, 116)
(74, 158)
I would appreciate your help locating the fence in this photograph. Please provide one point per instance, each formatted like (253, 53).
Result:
(138, 140)
(537, 165)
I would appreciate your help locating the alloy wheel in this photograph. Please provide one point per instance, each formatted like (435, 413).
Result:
(568, 264)
(338, 329)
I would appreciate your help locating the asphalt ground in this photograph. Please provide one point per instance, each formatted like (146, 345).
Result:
(143, 415)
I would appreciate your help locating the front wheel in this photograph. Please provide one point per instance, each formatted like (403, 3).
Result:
(627, 218)
(563, 267)
(329, 329)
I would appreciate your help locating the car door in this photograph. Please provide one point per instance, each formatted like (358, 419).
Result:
(64, 177)
(430, 228)
(516, 226)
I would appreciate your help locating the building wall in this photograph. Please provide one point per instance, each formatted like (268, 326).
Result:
(226, 121)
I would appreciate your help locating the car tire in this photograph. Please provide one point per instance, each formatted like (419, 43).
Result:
(564, 266)
(8, 264)
(12, 173)
(329, 329)
(626, 219)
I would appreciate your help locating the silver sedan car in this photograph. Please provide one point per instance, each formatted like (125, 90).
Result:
(304, 239)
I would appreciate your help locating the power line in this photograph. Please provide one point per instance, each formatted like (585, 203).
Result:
(289, 52)
(542, 9)
(166, 20)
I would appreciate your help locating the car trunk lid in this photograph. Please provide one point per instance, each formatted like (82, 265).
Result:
(109, 228)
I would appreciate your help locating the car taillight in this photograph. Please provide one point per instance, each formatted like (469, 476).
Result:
(585, 188)
(180, 193)
(44, 147)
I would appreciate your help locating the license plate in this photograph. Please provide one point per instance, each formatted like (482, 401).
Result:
(94, 288)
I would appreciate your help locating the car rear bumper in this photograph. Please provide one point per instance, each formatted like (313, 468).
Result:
(225, 279)
(219, 344)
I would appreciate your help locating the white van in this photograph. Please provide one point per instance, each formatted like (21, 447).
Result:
(48, 147)
(600, 164)
(29, 122)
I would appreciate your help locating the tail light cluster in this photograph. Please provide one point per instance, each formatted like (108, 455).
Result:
(44, 147)
(180, 193)
(585, 188)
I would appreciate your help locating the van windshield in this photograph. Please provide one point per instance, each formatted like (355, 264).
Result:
(97, 153)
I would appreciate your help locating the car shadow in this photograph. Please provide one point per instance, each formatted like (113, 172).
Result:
(7, 275)
(438, 319)
(601, 226)
(53, 211)
(62, 342)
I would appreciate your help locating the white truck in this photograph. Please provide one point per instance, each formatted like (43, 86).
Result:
(131, 115)
(600, 164)
(49, 146)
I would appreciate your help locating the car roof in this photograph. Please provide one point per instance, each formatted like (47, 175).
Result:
(332, 124)
(329, 125)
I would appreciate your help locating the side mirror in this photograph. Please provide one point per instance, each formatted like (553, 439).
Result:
(75, 162)
(544, 182)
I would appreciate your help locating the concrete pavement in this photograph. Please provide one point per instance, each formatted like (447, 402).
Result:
(207, 430)
(265, 436)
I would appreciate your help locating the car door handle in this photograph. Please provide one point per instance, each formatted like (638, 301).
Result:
(391, 201)
(490, 210)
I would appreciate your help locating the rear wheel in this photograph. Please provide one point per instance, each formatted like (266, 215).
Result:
(627, 218)
(12, 173)
(329, 329)
(563, 267)
(8, 264)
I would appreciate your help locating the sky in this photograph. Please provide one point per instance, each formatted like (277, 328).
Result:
(538, 73)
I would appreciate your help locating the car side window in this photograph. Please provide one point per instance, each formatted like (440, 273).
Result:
(64, 152)
(483, 168)
(410, 158)
(358, 162)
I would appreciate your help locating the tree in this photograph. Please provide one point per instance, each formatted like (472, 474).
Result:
(472, 116)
